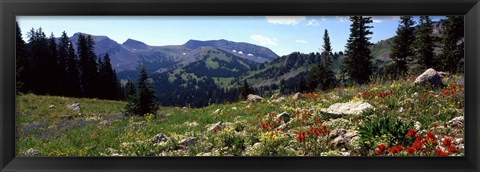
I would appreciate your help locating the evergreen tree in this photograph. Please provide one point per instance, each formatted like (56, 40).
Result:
(302, 84)
(357, 60)
(53, 78)
(327, 77)
(72, 81)
(424, 43)
(41, 62)
(245, 90)
(62, 63)
(144, 102)
(87, 66)
(23, 66)
(453, 44)
(107, 79)
(129, 89)
(402, 51)
(313, 77)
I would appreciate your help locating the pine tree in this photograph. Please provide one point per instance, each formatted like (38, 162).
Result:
(424, 44)
(62, 63)
(107, 79)
(87, 66)
(245, 90)
(41, 62)
(313, 76)
(129, 89)
(72, 81)
(327, 77)
(453, 44)
(357, 60)
(302, 84)
(23, 66)
(144, 102)
(402, 52)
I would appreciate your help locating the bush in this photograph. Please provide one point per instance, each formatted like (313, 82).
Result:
(373, 129)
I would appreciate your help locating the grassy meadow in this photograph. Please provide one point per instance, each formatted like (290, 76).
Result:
(406, 120)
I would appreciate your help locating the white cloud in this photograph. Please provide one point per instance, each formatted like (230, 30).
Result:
(250, 55)
(285, 20)
(379, 19)
(313, 22)
(301, 41)
(263, 40)
(342, 18)
(240, 52)
(234, 51)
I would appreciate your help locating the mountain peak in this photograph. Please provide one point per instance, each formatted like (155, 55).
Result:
(134, 44)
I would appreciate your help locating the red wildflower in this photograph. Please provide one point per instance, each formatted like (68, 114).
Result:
(417, 144)
(451, 149)
(410, 150)
(430, 135)
(447, 141)
(411, 133)
(423, 99)
(302, 122)
(441, 153)
(435, 125)
(382, 146)
(215, 129)
(319, 120)
(378, 151)
(279, 120)
(258, 115)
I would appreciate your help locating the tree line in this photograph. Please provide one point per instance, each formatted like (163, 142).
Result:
(51, 66)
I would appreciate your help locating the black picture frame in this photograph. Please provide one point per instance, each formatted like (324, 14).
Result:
(11, 8)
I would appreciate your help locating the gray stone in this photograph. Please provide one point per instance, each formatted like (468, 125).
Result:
(456, 122)
(339, 138)
(275, 96)
(254, 98)
(429, 76)
(349, 108)
(188, 141)
(215, 127)
(138, 124)
(31, 152)
(159, 138)
(298, 96)
(74, 106)
(283, 116)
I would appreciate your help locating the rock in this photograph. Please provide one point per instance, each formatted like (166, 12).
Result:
(443, 74)
(215, 127)
(456, 122)
(429, 76)
(275, 96)
(283, 116)
(159, 138)
(298, 96)
(339, 138)
(188, 141)
(281, 99)
(254, 98)
(31, 152)
(51, 106)
(74, 106)
(283, 127)
(349, 108)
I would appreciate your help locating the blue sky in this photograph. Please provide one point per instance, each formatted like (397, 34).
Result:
(282, 34)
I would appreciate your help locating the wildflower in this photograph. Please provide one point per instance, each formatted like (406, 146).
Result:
(410, 150)
(319, 120)
(302, 122)
(382, 146)
(441, 153)
(417, 145)
(435, 125)
(451, 148)
(411, 133)
(215, 129)
(279, 120)
(447, 141)
(378, 151)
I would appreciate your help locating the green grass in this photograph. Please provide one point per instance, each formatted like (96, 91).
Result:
(102, 130)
